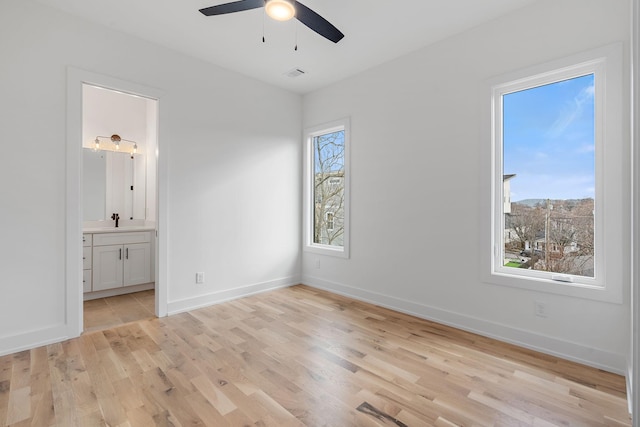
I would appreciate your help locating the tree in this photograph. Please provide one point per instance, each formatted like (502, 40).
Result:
(584, 223)
(329, 188)
(527, 223)
(562, 232)
(566, 227)
(570, 226)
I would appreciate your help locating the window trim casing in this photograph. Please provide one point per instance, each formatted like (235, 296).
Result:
(607, 285)
(308, 213)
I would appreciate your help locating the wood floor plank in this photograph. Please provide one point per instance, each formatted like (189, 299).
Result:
(295, 357)
(19, 406)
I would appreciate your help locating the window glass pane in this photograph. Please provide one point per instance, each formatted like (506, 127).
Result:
(328, 188)
(549, 177)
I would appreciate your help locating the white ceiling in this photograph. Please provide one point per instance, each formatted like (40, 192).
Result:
(376, 31)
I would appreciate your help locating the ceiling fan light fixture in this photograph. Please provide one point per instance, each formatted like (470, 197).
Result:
(280, 10)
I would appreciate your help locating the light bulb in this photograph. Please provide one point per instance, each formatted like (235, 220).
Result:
(280, 10)
(97, 142)
(116, 139)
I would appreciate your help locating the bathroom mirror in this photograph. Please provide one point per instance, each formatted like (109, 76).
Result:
(113, 182)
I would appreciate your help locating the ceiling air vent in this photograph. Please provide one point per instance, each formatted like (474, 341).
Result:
(294, 72)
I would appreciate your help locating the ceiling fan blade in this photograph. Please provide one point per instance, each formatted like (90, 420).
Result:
(317, 23)
(236, 6)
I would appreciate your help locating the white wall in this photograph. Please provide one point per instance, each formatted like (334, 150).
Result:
(134, 119)
(107, 112)
(231, 146)
(416, 182)
(151, 159)
(633, 363)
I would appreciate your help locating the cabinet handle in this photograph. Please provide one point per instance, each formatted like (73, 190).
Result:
(120, 253)
(126, 253)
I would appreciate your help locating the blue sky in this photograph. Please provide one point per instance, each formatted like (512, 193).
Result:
(549, 140)
(332, 153)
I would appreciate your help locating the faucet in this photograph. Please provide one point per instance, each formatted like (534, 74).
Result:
(116, 217)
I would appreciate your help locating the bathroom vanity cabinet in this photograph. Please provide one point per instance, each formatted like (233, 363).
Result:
(87, 261)
(116, 262)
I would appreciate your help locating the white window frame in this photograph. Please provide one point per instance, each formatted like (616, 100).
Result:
(308, 203)
(611, 151)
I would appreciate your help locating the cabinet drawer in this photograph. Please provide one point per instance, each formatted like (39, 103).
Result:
(87, 239)
(105, 239)
(86, 280)
(86, 257)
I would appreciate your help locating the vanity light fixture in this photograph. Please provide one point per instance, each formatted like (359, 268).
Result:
(116, 140)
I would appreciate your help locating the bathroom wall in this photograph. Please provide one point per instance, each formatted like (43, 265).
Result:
(133, 118)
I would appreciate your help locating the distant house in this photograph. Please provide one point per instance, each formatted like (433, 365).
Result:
(506, 192)
(506, 197)
(329, 200)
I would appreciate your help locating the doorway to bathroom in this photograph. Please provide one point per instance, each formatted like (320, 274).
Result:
(119, 148)
(114, 276)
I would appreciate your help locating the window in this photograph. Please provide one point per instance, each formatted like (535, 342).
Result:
(330, 221)
(552, 160)
(548, 151)
(326, 189)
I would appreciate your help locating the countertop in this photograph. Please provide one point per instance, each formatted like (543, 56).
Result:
(125, 229)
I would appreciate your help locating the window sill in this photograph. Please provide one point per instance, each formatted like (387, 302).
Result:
(334, 251)
(576, 290)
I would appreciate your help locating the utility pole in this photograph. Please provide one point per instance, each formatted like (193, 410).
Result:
(547, 229)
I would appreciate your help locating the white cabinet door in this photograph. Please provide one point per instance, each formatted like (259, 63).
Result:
(137, 263)
(107, 267)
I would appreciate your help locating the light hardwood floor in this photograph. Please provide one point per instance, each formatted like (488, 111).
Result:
(300, 357)
(110, 312)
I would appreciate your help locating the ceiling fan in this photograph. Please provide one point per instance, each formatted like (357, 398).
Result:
(281, 10)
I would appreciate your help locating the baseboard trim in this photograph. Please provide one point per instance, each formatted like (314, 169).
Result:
(61, 332)
(567, 350)
(575, 352)
(34, 339)
(200, 301)
(118, 291)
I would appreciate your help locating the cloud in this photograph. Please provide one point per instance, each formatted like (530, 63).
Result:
(586, 148)
(572, 111)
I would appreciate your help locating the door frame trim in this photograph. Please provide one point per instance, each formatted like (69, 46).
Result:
(73, 226)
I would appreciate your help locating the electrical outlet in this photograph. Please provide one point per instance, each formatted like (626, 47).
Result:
(540, 309)
(317, 262)
(200, 277)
